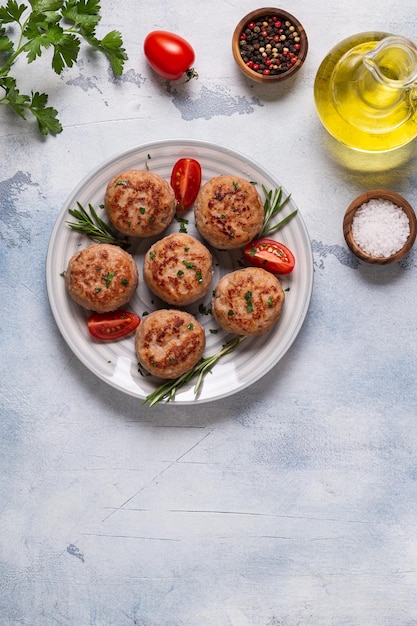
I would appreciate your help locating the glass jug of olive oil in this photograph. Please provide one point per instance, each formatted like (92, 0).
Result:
(365, 91)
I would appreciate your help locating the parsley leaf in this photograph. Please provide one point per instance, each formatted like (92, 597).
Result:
(12, 12)
(5, 44)
(84, 14)
(15, 100)
(111, 46)
(45, 6)
(66, 46)
(45, 116)
(36, 104)
(62, 26)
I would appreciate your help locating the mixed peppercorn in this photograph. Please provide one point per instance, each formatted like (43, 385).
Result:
(270, 46)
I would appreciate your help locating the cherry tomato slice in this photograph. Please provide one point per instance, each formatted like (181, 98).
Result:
(113, 325)
(186, 181)
(169, 55)
(270, 255)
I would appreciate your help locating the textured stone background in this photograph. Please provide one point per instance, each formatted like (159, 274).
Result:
(291, 503)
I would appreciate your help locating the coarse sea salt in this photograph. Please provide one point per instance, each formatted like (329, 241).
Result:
(380, 227)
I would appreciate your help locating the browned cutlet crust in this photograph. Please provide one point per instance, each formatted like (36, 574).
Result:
(228, 212)
(139, 203)
(101, 277)
(248, 301)
(169, 342)
(178, 269)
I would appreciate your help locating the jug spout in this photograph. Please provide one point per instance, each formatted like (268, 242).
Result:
(366, 91)
(393, 62)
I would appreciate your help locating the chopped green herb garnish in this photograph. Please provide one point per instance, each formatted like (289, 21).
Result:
(120, 183)
(142, 210)
(180, 273)
(199, 276)
(142, 371)
(190, 326)
(189, 264)
(204, 310)
(236, 185)
(249, 304)
(230, 313)
(124, 281)
(270, 302)
(107, 279)
(152, 255)
(183, 223)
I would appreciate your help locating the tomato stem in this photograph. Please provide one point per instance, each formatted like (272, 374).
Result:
(191, 73)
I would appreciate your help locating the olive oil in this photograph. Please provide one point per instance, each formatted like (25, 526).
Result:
(365, 92)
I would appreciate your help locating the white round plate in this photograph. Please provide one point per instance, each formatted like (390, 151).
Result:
(116, 362)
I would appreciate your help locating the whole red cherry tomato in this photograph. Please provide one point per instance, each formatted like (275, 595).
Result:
(270, 255)
(169, 55)
(113, 325)
(186, 181)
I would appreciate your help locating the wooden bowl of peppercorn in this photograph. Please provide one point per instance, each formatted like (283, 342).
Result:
(269, 45)
(380, 227)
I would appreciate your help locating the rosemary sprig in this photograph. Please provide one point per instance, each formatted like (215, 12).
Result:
(94, 227)
(273, 204)
(167, 390)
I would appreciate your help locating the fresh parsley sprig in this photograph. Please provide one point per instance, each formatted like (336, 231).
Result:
(43, 24)
(167, 391)
(94, 227)
(273, 204)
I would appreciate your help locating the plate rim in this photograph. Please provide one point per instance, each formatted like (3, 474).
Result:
(177, 142)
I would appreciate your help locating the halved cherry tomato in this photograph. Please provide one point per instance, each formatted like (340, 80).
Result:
(270, 255)
(186, 181)
(113, 325)
(169, 55)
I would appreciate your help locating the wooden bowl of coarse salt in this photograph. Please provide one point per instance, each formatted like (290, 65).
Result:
(380, 227)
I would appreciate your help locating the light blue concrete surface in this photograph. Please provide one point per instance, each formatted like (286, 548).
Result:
(292, 503)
